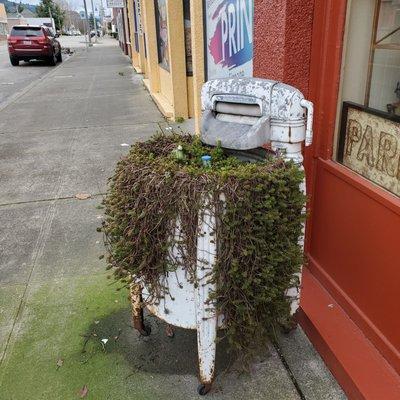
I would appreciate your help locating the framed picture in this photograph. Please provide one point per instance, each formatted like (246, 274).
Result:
(369, 144)
(162, 33)
(228, 41)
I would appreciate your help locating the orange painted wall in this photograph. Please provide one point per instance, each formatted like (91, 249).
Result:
(282, 41)
(354, 252)
(354, 226)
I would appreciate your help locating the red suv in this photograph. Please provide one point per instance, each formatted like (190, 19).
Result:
(33, 43)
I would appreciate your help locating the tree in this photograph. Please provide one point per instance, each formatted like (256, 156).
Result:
(48, 7)
(90, 17)
(20, 8)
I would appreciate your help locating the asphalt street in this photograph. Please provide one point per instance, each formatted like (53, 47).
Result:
(13, 79)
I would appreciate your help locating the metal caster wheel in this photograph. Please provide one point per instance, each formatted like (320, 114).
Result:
(203, 388)
(146, 331)
(288, 326)
(169, 331)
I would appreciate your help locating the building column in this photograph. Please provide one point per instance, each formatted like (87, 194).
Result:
(197, 36)
(151, 46)
(177, 57)
(131, 23)
(282, 41)
(142, 44)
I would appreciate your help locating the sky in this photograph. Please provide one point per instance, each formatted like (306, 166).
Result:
(34, 2)
(75, 4)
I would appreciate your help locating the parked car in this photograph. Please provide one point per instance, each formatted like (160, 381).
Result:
(29, 42)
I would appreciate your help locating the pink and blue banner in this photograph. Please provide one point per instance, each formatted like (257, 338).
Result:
(229, 38)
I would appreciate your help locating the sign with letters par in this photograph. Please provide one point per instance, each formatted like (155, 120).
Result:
(369, 144)
(115, 3)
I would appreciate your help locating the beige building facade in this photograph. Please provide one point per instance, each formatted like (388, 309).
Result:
(3, 22)
(167, 48)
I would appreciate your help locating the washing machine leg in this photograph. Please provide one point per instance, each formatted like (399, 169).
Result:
(206, 347)
(137, 310)
(206, 316)
(294, 292)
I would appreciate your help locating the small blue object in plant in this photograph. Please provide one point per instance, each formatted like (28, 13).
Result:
(206, 160)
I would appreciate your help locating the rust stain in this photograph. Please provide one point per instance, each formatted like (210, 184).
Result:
(137, 309)
(209, 379)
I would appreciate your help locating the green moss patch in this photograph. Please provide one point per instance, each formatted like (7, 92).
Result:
(9, 302)
(62, 315)
(50, 360)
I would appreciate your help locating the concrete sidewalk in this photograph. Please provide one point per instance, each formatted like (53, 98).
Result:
(61, 137)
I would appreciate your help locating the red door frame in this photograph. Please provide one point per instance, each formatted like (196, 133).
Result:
(361, 357)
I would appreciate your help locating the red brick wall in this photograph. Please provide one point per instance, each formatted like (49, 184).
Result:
(282, 41)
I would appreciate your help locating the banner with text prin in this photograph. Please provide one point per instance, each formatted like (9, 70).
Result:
(229, 38)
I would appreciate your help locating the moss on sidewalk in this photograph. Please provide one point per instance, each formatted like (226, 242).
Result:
(58, 320)
(61, 315)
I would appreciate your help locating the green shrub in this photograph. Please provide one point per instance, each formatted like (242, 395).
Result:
(259, 223)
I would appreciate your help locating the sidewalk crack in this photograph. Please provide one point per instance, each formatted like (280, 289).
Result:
(289, 371)
(48, 199)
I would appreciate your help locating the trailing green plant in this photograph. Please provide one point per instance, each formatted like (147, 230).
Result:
(259, 221)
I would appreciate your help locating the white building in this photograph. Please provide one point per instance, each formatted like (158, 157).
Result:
(42, 21)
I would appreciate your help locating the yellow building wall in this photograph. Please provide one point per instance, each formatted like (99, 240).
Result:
(177, 57)
(166, 89)
(3, 14)
(3, 22)
(138, 59)
(134, 53)
(176, 94)
(149, 22)
(196, 16)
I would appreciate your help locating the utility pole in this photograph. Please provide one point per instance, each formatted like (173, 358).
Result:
(94, 24)
(53, 22)
(87, 25)
(102, 18)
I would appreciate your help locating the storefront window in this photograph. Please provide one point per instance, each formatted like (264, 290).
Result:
(369, 107)
(383, 79)
(371, 62)
(188, 39)
(162, 33)
(136, 23)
